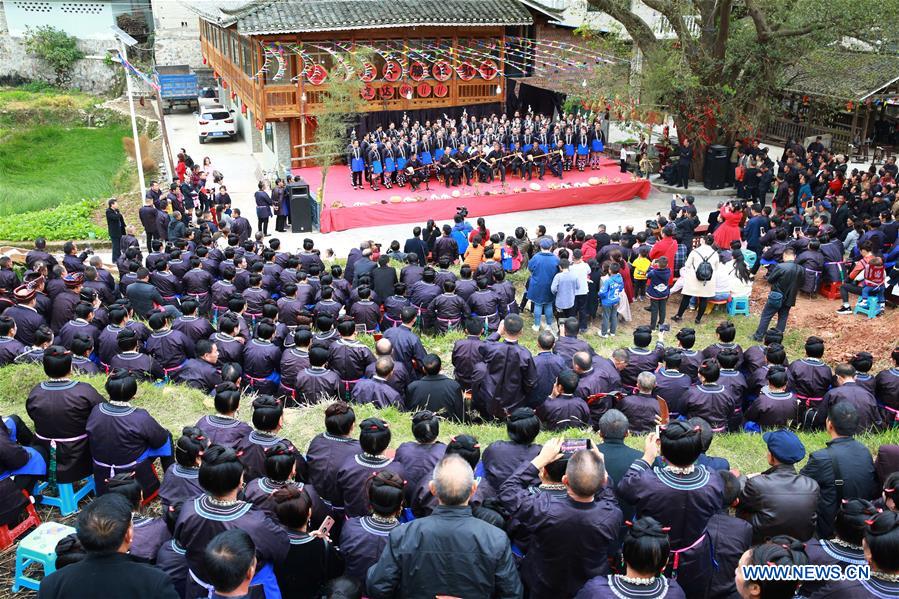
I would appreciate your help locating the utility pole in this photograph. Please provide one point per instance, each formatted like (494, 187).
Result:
(126, 40)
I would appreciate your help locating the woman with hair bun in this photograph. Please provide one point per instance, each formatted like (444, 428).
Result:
(502, 458)
(180, 482)
(881, 548)
(682, 495)
(778, 551)
(846, 546)
(645, 551)
(280, 472)
(420, 456)
(125, 439)
(147, 534)
(362, 539)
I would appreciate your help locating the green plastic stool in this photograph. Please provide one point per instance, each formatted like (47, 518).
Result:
(870, 308)
(38, 547)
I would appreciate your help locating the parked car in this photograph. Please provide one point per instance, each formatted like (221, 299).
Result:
(214, 121)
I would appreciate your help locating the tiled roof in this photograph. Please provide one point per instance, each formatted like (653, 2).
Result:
(274, 16)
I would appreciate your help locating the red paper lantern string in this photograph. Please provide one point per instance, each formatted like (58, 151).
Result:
(318, 76)
(368, 92)
(488, 70)
(441, 90)
(387, 91)
(392, 71)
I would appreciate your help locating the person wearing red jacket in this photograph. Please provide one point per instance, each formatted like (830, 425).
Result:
(666, 246)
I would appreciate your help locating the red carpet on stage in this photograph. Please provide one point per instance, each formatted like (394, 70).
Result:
(374, 208)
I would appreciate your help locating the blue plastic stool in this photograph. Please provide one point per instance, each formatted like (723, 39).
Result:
(38, 547)
(870, 308)
(738, 305)
(67, 499)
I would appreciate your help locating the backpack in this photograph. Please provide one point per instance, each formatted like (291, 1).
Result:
(704, 271)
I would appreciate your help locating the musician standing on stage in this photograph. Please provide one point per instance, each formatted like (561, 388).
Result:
(556, 159)
(356, 160)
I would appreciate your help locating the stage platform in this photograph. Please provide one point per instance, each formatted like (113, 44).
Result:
(366, 208)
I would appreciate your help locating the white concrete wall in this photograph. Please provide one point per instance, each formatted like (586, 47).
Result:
(177, 38)
(88, 20)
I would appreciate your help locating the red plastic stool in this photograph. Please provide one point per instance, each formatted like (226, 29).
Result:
(830, 290)
(8, 535)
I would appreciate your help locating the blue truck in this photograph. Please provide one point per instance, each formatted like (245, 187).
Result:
(177, 86)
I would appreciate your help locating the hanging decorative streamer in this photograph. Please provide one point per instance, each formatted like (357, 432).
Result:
(278, 54)
(130, 68)
(265, 63)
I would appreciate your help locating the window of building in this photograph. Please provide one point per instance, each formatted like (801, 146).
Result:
(270, 136)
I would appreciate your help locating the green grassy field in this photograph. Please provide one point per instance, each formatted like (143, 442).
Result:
(48, 165)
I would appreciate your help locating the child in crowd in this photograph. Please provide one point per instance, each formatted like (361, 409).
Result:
(610, 297)
(658, 290)
(641, 265)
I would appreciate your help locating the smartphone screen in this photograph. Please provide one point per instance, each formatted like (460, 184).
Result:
(570, 446)
(796, 232)
(327, 523)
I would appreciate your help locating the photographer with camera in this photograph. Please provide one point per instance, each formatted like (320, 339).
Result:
(72, 260)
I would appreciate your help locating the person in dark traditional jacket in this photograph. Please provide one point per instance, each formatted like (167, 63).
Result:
(406, 344)
(193, 326)
(844, 468)
(171, 556)
(400, 377)
(549, 365)
(754, 357)
(25, 313)
(774, 407)
(9, 346)
(419, 457)
(863, 362)
(268, 419)
(363, 538)
(502, 458)
(227, 340)
(261, 359)
(667, 493)
(147, 533)
(511, 373)
(365, 311)
(316, 383)
(125, 439)
(312, 559)
(466, 354)
(775, 355)
(780, 500)
(325, 334)
(393, 307)
(486, 306)
(843, 546)
(568, 343)
(640, 358)
(105, 532)
(201, 372)
(645, 551)
(810, 377)
(730, 536)
(847, 390)
(596, 376)
(572, 535)
(196, 284)
(726, 332)
(448, 310)
(20, 465)
(671, 382)
(180, 482)
(327, 305)
(562, 409)
(710, 400)
(435, 392)
(280, 472)
(348, 357)
(64, 303)
(377, 390)
(142, 366)
(59, 409)
(170, 348)
(294, 359)
(886, 384)
(223, 427)
(641, 408)
(374, 438)
(329, 450)
(218, 509)
(43, 339)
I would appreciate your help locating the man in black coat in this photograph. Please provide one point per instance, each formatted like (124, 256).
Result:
(435, 392)
(383, 278)
(684, 159)
(786, 279)
(844, 469)
(115, 224)
(416, 245)
(105, 532)
(618, 457)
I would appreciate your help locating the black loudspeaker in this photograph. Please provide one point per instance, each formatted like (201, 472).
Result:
(714, 172)
(300, 210)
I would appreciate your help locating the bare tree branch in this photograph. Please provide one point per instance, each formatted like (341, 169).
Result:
(620, 10)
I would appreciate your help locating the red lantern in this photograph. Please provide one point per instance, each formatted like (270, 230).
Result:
(406, 91)
(204, 60)
(424, 89)
(441, 90)
(387, 91)
(243, 109)
(442, 70)
(369, 72)
(488, 69)
(368, 92)
(466, 71)
(418, 70)
(392, 71)
(259, 124)
(233, 95)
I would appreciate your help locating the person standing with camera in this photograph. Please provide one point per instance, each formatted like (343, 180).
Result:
(115, 225)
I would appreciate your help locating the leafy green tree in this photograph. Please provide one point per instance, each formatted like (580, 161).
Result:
(55, 47)
(720, 74)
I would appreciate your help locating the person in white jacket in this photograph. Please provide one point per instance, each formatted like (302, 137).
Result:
(698, 281)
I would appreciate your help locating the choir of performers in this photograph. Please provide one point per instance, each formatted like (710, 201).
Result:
(484, 150)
